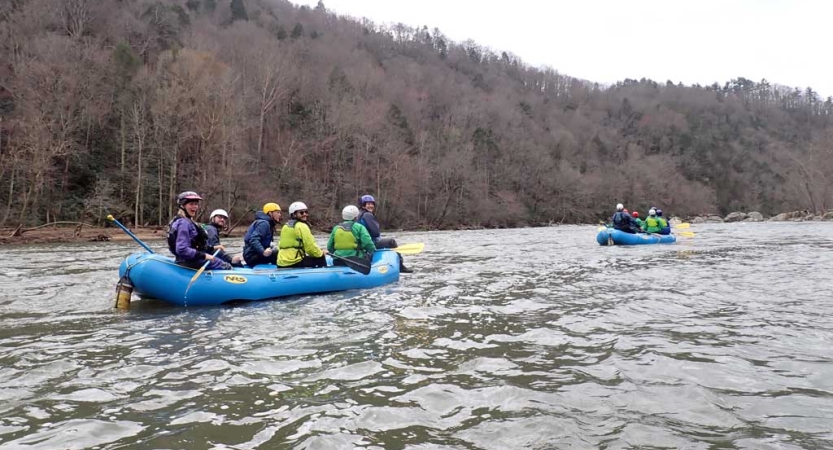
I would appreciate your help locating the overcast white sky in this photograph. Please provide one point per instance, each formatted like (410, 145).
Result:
(693, 41)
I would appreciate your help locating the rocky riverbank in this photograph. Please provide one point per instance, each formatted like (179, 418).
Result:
(754, 216)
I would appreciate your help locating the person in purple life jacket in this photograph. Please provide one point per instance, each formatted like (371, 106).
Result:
(187, 240)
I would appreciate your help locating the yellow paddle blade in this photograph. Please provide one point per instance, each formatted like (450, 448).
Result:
(685, 233)
(602, 228)
(409, 249)
(683, 225)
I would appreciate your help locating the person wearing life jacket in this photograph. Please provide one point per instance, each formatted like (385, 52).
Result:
(666, 227)
(257, 242)
(636, 219)
(216, 222)
(297, 247)
(651, 224)
(623, 221)
(349, 238)
(367, 207)
(187, 240)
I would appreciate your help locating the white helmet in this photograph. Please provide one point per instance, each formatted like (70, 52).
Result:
(652, 212)
(297, 206)
(350, 212)
(619, 207)
(218, 212)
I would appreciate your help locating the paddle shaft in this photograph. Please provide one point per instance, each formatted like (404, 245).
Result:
(123, 228)
(199, 272)
(352, 264)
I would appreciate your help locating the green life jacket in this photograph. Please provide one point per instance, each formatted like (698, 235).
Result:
(652, 224)
(345, 238)
(291, 239)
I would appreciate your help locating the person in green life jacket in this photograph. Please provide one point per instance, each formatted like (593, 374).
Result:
(636, 219)
(297, 247)
(652, 224)
(666, 227)
(349, 238)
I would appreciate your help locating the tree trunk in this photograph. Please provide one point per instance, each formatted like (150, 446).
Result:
(11, 194)
(123, 152)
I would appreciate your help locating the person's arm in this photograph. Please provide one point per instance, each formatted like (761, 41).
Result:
(254, 239)
(185, 233)
(331, 242)
(365, 241)
(310, 247)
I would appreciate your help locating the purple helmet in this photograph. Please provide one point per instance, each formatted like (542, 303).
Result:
(367, 198)
(659, 212)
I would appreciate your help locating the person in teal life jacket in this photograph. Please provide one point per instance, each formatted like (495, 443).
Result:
(217, 222)
(367, 208)
(651, 224)
(636, 219)
(186, 238)
(350, 239)
(257, 243)
(623, 221)
(666, 227)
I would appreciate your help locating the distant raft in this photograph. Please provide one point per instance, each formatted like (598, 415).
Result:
(156, 276)
(611, 236)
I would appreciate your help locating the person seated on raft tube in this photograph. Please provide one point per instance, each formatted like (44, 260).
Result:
(187, 240)
(652, 223)
(297, 247)
(636, 219)
(367, 205)
(666, 227)
(623, 221)
(350, 239)
(257, 242)
(216, 222)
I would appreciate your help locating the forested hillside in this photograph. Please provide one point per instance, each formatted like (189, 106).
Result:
(116, 106)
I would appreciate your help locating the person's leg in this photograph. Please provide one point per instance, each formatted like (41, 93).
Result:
(309, 261)
(386, 243)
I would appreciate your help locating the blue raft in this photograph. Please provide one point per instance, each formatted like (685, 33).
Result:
(611, 236)
(157, 276)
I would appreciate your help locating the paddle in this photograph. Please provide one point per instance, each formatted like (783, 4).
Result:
(113, 219)
(683, 225)
(685, 233)
(355, 263)
(199, 272)
(409, 249)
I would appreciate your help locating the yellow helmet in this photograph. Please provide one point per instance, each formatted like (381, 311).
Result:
(269, 207)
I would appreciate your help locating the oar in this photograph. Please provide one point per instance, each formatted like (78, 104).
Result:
(683, 225)
(199, 272)
(355, 263)
(409, 249)
(685, 233)
(113, 219)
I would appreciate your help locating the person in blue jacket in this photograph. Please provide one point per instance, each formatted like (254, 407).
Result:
(367, 206)
(187, 240)
(257, 243)
(216, 222)
(623, 221)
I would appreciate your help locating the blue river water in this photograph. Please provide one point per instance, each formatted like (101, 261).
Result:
(502, 339)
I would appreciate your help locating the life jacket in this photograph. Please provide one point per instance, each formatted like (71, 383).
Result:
(198, 242)
(652, 224)
(291, 239)
(344, 238)
(621, 221)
